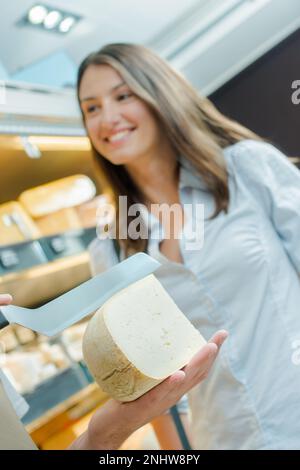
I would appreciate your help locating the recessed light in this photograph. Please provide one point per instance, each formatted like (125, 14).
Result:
(66, 24)
(37, 14)
(52, 19)
(48, 18)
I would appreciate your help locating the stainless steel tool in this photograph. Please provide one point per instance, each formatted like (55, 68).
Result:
(69, 308)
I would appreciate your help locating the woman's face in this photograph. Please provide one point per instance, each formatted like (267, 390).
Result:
(120, 125)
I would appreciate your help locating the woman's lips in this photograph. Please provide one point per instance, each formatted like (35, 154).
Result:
(119, 138)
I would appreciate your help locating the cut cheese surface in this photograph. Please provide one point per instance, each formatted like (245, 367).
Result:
(137, 339)
(158, 338)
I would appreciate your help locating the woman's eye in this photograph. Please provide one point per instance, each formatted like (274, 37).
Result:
(91, 109)
(124, 96)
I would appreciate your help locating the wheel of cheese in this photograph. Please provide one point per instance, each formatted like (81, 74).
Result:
(138, 338)
(56, 195)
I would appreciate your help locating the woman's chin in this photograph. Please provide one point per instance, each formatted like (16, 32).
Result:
(124, 159)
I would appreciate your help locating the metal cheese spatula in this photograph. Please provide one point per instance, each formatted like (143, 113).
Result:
(69, 308)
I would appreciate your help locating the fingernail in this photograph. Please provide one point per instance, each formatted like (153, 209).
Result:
(5, 297)
(225, 336)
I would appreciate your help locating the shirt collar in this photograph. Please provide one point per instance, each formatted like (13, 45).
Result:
(188, 176)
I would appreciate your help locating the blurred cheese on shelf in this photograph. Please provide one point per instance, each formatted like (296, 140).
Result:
(53, 354)
(8, 340)
(25, 368)
(137, 339)
(25, 335)
(72, 340)
(15, 224)
(52, 205)
(58, 222)
(57, 195)
(88, 212)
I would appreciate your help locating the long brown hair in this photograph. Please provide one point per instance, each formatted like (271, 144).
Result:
(195, 128)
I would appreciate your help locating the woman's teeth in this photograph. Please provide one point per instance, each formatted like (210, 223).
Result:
(118, 136)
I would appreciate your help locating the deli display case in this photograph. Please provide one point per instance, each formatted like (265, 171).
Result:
(48, 209)
(48, 217)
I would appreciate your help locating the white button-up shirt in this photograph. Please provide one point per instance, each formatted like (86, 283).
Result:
(244, 279)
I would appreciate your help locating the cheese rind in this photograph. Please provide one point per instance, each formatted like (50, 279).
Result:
(137, 339)
(111, 369)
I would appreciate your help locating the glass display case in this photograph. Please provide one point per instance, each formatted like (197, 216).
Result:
(42, 256)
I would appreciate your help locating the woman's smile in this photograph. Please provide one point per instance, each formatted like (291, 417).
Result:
(119, 138)
(113, 114)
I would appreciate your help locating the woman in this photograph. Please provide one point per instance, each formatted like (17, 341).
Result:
(157, 141)
(114, 422)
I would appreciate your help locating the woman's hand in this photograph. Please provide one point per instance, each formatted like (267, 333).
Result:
(165, 395)
(5, 299)
(115, 421)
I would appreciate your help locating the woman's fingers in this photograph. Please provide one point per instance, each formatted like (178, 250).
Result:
(199, 366)
(206, 356)
(5, 299)
(166, 394)
(196, 370)
(219, 337)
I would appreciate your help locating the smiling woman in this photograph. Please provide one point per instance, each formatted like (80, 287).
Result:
(158, 141)
(127, 88)
(120, 124)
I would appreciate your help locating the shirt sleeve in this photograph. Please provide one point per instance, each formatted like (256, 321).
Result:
(276, 182)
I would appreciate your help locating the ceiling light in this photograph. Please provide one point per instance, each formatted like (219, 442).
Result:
(45, 17)
(52, 19)
(66, 24)
(37, 14)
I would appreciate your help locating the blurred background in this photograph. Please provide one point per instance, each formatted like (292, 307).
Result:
(243, 54)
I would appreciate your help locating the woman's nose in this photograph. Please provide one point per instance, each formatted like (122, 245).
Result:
(109, 116)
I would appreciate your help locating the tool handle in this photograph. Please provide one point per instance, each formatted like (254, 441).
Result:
(180, 429)
(3, 321)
